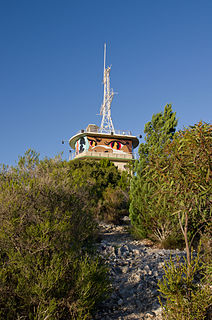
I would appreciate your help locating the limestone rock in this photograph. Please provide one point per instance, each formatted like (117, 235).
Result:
(135, 268)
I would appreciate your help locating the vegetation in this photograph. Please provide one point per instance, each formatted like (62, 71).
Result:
(114, 205)
(150, 217)
(158, 131)
(48, 267)
(108, 188)
(187, 184)
(187, 179)
(186, 297)
(171, 196)
(50, 210)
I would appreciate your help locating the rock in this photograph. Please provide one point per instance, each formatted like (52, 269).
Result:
(126, 219)
(135, 268)
(125, 293)
(125, 269)
(117, 270)
(136, 252)
(113, 296)
(139, 304)
(120, 302)
(155, 306)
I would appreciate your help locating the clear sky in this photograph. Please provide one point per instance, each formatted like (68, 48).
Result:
(51, 67)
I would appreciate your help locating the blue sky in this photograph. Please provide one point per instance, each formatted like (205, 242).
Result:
(51, 67)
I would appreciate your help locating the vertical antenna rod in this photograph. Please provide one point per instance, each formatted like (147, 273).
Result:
(106, 124)
(104, 59)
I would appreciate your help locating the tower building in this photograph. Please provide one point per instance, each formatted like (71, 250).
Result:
(96, 142)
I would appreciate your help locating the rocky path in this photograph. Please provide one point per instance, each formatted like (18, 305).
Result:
(135, 268)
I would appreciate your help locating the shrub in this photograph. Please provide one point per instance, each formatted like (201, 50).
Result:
(185, 297)
(152, 212)
(187, 181)
(114, 205)
(48, 267)
(175, 185)
(107, 188)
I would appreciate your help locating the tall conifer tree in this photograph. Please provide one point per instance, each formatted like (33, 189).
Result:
(158, 132)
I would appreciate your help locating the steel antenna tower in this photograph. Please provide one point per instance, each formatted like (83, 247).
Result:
(105, 112)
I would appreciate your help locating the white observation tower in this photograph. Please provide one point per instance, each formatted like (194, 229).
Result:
(105, 142)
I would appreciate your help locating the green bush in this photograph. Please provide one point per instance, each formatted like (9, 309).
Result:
(152, 213)
(48, 267)
(206, 242)
(113, 206)
(187, 182)
(172, 193)
(107, 187)
(185, 297)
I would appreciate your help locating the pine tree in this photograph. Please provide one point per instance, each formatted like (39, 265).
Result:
(146, 221)
(158, 131)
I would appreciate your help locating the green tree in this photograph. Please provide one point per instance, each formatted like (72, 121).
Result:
(188, 179)
(186, 182)
(148, 218)
(158, 132)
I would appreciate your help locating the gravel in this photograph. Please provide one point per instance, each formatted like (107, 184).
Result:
(135, 268)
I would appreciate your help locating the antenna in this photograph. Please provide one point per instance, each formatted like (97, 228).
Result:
(106, 124)
(104, 59)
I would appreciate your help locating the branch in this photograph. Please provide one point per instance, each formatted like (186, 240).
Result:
(181, 226)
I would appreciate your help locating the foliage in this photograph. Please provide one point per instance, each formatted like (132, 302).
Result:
(187, 178)
(206, 242)
(158, 132)
(186, 298)
(187, 183)
(48, 268)
(150, 217)
(114, 205)
(108, 188)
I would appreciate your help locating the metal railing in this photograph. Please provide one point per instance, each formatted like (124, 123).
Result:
(118, 132)
(92, 154)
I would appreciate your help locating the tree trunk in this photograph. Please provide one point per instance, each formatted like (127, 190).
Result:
(185, 234)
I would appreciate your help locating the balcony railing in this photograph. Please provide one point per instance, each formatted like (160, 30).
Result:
(115, 156)
(118, 132)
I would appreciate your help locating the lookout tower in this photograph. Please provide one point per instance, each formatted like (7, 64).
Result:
(96, 142)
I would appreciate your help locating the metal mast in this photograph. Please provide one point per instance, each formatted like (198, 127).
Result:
(106, 124)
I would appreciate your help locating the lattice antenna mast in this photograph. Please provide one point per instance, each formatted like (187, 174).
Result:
(106, 124)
